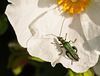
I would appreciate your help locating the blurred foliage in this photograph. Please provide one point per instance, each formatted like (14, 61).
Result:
(87, 73)
(19, 58)
(3, 24)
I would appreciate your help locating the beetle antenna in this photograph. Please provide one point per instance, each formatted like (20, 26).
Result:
(52, 35)
(61, 27)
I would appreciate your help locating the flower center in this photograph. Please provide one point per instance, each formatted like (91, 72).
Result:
(74, 6)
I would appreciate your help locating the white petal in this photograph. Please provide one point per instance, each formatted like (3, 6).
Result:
(43, 49)
(97, 68)
(91, 27)
(22, 12)
(51, 23)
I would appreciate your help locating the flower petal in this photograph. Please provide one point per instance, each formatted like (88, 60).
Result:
(22, 12)
(91, 28)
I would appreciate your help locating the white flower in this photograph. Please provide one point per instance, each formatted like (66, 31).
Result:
(32, 20)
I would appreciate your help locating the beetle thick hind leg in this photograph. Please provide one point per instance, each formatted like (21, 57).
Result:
(75, 48)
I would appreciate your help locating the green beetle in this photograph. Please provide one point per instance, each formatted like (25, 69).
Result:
(71, 51)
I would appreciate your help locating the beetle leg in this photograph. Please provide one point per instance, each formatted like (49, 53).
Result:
(75, 48)
(67, 53)
(73, 41)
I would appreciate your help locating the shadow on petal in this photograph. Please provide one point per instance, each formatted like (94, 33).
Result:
(76, 25)
(58, 46)
(94, 13)
(95, 43)
(66, 15)
(46, 3)
(56, 43)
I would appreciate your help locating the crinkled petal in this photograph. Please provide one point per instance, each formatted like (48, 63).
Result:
(22, 12)
(91, 27)
(52, 23)
(97, 68)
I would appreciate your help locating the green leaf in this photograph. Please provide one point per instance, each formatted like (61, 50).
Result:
(71, 73)
(78, 74)
(87, 73)
(3, 24)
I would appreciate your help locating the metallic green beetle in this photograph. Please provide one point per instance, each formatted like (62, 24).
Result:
(71, 51)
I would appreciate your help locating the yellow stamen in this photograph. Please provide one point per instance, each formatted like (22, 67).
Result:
(74, 6)
(60, 1)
